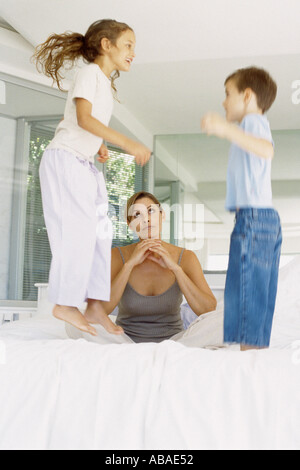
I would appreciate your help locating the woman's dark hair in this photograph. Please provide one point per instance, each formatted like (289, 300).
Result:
(64, 49)
(135, 197)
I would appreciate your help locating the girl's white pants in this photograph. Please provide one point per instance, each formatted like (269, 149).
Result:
(75, 205)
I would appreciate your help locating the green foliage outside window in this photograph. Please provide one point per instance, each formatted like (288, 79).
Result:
(120, 183)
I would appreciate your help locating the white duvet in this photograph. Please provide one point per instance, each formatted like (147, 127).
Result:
(58, 393)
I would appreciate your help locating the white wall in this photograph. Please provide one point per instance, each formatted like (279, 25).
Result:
(7, 156)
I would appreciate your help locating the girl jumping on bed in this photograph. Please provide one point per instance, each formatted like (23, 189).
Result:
(74, 195)
(251, 283)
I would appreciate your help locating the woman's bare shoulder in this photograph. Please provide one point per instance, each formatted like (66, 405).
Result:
(125, 250)
(190, 261)
(119, 256)
(171, 247)
(174, 250)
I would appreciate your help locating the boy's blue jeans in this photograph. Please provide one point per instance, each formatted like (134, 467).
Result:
(252, 277)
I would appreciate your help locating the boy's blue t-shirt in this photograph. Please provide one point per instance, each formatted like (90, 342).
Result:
(249, 176)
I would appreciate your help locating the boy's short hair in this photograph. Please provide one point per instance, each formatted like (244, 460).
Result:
(260, 82)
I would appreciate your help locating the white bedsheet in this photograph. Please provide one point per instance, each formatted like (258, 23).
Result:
(58, 393)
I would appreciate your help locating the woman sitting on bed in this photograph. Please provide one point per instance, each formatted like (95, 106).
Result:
(150, 277)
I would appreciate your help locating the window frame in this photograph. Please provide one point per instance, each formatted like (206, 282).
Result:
(17, 229)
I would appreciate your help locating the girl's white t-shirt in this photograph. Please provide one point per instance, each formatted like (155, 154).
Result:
(93, 85)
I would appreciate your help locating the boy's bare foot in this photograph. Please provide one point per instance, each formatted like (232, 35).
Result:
(247, 347)
(73, 316)
(95, 314)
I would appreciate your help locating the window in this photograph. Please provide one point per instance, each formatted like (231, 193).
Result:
(37, 254)
(123, 178)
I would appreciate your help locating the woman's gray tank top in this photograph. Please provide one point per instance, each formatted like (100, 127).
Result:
(147, 318)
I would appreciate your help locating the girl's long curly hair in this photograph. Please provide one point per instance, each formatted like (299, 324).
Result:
(62, 50)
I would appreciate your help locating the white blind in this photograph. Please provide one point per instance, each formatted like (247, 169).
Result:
(37, 254)
(123, 178)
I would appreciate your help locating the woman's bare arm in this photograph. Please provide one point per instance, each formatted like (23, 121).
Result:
(190, 278)
(120, 272)
(193, 284)
(87, 122)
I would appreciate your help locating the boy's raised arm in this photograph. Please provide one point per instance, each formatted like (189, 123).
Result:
(214, 124)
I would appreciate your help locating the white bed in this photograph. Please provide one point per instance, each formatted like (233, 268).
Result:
(58, 393)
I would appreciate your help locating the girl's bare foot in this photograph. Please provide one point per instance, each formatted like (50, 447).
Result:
(73, 316)
(95, 314)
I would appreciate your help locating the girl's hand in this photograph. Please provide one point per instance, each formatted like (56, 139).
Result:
(214, 124)
(104, 155)
(141, 251)
(141, 153)
(164, 259)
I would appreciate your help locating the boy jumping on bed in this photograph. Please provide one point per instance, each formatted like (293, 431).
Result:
(252, 276)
